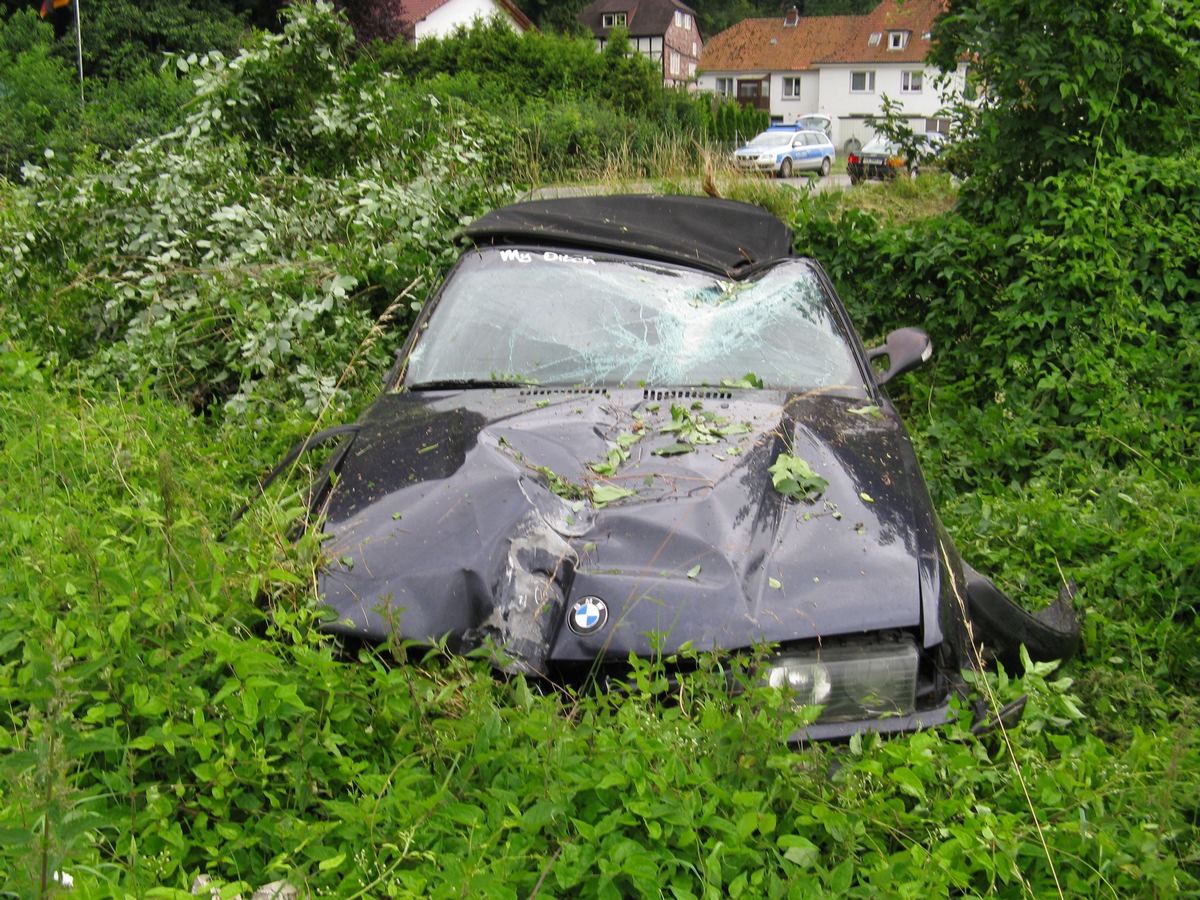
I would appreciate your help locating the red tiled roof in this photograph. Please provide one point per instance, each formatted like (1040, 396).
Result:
(914, 16)
(414, 11)
(770, 46)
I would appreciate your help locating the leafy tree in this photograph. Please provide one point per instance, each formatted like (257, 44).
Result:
(121, 36)
(261, 13)
(555, 15)
(836, 7)
(1064, 84)
(631, 82)
(545, 66)
(38, 91)
(717, 15)
(374, 20)
(118, 35)
(41, 108)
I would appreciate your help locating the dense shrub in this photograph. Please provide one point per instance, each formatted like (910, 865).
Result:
(122, 38)
(1063, 88)
(577, 112)
(1055, 314)
(240, 259)
(728, 122)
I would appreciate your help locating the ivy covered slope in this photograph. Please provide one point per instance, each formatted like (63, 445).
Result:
(175, 317)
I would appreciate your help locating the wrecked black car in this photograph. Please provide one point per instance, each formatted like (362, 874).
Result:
(637, 424)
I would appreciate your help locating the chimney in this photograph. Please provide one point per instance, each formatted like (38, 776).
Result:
(792, 18)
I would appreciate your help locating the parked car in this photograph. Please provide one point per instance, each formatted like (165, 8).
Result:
(883, 159)
(783, 150)
(639, 424)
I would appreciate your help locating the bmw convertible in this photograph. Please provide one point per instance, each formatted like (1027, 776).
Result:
(636, 425)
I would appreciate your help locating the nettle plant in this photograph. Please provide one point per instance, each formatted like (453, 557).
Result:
(240, 261)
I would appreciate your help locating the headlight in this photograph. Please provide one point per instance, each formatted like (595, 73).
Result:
(855, 680)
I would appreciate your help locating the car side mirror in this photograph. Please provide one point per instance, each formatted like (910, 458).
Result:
(905, 348)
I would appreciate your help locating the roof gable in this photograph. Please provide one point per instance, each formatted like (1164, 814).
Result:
(414, 11)
(912, 18)
(786, 44)
(643, 18)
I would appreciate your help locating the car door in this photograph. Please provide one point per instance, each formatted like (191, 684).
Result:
(811, 154)
(797, 150)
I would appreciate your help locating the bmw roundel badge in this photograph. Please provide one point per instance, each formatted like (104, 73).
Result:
(588, 616)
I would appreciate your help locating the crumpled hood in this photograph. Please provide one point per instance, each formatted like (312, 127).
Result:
(484, 515)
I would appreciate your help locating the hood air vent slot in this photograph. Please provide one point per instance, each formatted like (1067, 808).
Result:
(647, 393)
(547, 391)
(686, 394)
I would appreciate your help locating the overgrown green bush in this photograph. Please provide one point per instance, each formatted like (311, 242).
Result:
(48, 114)
(577, 112)
(240, 260)
(1061, 89)
(1055, 314)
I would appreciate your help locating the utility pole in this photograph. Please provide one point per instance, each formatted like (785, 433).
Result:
(79, 49)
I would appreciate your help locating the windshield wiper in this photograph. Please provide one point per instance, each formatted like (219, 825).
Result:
(450, 384)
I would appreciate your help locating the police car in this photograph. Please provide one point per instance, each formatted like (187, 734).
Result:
(784, 149)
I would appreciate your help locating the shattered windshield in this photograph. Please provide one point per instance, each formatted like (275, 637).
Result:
(573, 319)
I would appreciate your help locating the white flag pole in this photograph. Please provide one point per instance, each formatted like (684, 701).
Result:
(79, 48)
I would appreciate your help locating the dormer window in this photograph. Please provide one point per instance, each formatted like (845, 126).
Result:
(897, 40)
(613, 20)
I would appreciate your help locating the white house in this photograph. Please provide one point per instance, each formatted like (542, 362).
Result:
(439, 18)
(839, 66)
(415, 20)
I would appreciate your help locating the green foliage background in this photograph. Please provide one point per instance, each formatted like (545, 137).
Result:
(713, 15)
(176, 314)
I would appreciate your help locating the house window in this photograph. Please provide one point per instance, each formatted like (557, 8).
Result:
(725, 87)
(791, 88)
(862, 82)
(910, 82)
(683, 20)
(752, 91)
(897, 40)
(613, 20)
(875, 38)
(674, 63)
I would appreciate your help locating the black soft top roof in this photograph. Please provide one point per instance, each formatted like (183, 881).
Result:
(722, 236)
